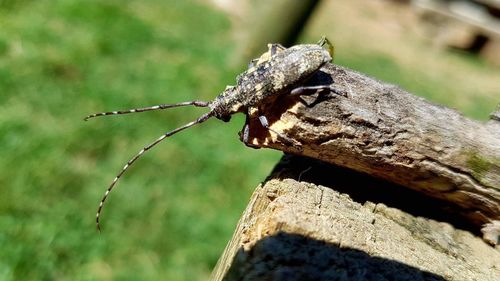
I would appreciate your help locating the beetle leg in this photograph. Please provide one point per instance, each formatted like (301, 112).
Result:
(265, 124)
(245, 134)
(275, 48)
(272, 49)
(253, 63)
(254, 112)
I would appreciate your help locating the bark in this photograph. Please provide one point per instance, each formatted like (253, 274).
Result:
(383, 131)
(298, 226)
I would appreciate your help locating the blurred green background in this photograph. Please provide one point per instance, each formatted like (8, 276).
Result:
(171, 215)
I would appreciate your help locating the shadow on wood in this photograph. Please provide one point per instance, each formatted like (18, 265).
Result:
(363, 188)
(292, 257)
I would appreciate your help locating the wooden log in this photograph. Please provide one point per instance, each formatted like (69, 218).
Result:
(298, 226)
(381, 130)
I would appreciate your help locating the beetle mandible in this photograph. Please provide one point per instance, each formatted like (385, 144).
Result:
(278, 71)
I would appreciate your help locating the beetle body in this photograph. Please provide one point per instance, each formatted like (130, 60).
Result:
(272, 75)
(278, 71)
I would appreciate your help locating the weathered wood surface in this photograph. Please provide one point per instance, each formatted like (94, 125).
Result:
(381, 130)
(298, 226)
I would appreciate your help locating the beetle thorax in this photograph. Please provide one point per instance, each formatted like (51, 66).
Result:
(227, 104)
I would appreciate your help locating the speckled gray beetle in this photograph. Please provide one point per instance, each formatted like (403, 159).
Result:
(278, 71)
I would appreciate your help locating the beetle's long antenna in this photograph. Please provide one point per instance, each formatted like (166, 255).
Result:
(196, 103)
(201, 119)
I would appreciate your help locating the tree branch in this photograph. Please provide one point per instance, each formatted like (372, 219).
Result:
(381, 130)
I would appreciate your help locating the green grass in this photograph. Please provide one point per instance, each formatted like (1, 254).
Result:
(171, 215)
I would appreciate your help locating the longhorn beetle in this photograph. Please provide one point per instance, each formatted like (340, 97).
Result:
(278, 71)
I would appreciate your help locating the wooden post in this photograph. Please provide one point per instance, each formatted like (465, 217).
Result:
(298, 226)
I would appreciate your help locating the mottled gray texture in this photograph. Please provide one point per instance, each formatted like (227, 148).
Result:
(277, 71)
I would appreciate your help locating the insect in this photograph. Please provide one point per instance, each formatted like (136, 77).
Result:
(278, 71)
